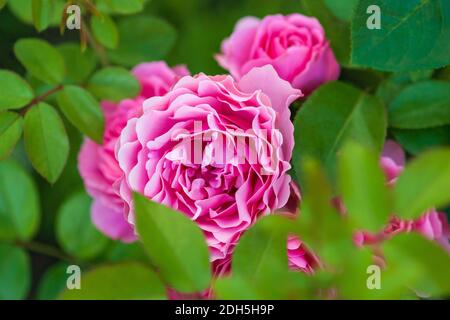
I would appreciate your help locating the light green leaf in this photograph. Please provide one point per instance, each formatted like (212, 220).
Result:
(175, 245)
(41, 59)
(75, 231)
(333, 114)
(126, 7)
(424, 184)
(397, 46)
(15, 92)
(79, 64)
(114, 83)
(421, 105)
(105, 31)
(22, 10)
(362, 185)
(42, 13)
(15, 276)
(46, 141)
(142, 38)
(126, 281)
(416, 141)
(11, 126)
(83, 111)
(53, 282)
(19, 203)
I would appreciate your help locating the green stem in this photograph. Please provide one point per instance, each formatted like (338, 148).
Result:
(41, 98)
(45, 249)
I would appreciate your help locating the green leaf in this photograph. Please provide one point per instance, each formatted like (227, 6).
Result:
(114, 83)
(22, 10)
(175, 245)
(51, 15)
(142, 38)
(105, 31)
(46, 141)
(83, 111)
(332, 114)
(75, 231)
(42, 13)
(11, 126)
(15, 276)
(126, 7)
(395, 46)
(40, 59)
(53, 282)
(337, 31)
(2, 3)
(15, 92)
(421, 105)
(120, 252)
(362, 185)
(126, 281)
(424, 184)
(416, 141)
(19, 203)
(79, 64)
(427, 258)
(343, 9)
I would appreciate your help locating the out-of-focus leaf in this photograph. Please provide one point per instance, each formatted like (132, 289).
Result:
(19, 203)
(15, 92)
(183, 259)
(23, 9)
(53, 282)
(122, 7)
(126, 281)
(421, 105)
(83, 111)
(46, 141)
(2, 3)
(114, 83)
(75, 231)
(333, 114)
(142, 38)
(42, 13)
(41, 59)
(393, 47)
(362, 185)
(105, 31)
(11, 126)
(424, 184)
(416, 141)
(79, 64)
(120, 252)
(14, 273)
(343, 9)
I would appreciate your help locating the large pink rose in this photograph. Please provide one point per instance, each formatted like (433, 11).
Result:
(216, 149)
(97, 163)
(295, 45)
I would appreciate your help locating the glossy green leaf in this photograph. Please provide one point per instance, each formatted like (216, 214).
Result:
(126, 281)
(11, 126)
(41, 59)
(15, 92)
(53, 282)
(114, 83)
(424, 184)
(105, 31)
(421, 105)
(75, 231)
(83, 111)
(19, 203)
(46, 141)
(397, 46)
(15, 275)
(142, 38)
(333, 114)
(362, 185)
(416, 141)
(175, 245)
(79, 64)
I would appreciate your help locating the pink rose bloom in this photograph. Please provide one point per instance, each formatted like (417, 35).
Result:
(432, 224)
(218, 186)
(97, 163)
(295, 45)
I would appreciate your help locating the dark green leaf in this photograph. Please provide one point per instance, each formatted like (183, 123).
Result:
(11, 126)
(53, 282)
(15, 92)
(105, 31)
(42, 13)
(41, 59)
(114, 83)
(416, 141)
(175, 245)
(83, 111)
(343, 9)
(14, 273)
(79, 64)
(46, 141)
(75, 231)
(19, 203)
(126, 7)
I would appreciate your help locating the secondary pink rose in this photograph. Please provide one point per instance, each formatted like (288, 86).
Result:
(97, 163)
(295, 45)
(219, 187)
